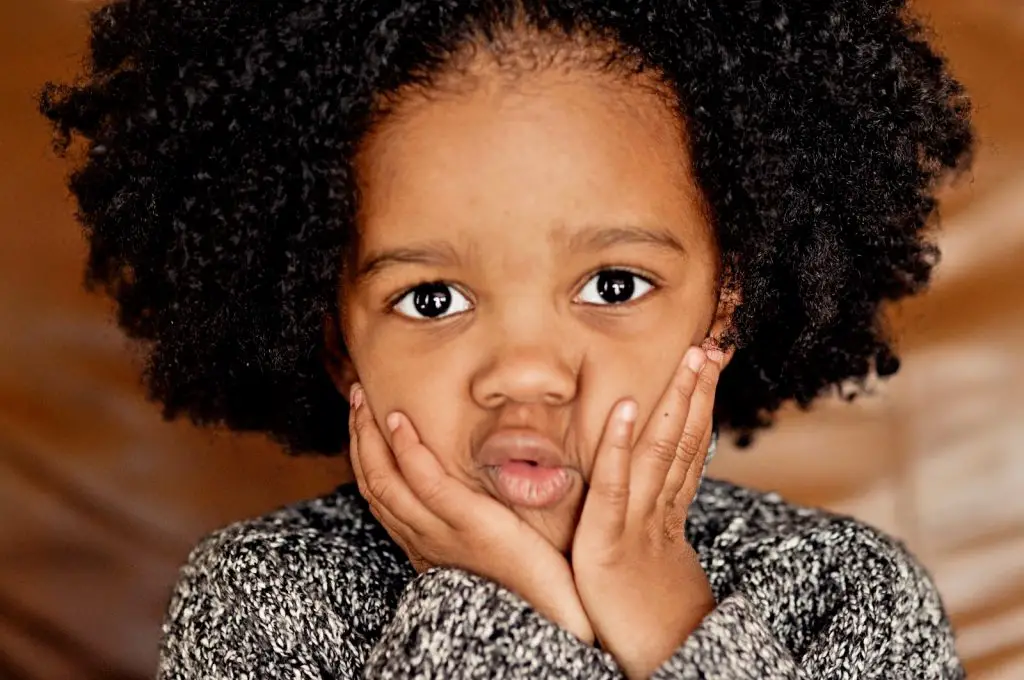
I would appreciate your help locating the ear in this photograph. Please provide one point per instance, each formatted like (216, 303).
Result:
(336, 359)
(728, 300)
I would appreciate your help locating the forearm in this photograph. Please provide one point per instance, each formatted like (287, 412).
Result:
(453, 624)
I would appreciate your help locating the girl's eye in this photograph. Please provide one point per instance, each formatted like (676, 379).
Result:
(614, 287)
(432, 301)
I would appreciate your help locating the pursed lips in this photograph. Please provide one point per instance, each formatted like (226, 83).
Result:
(527, 468)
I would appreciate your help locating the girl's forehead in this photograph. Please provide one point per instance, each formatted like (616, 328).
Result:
(560, 156)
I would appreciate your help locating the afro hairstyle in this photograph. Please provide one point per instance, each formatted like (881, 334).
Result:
(217, 192)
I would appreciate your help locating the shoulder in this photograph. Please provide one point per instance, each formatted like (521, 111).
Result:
(261, 590)
(332, 534)
(807, 569)
(763, 529)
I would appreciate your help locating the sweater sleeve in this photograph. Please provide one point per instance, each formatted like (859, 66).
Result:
(732, 643)
(250, 604)
(453, 624)
(873, 614)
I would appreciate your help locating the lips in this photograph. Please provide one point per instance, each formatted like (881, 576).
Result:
(526, 467)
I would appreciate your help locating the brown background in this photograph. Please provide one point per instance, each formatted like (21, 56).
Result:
(100, 500)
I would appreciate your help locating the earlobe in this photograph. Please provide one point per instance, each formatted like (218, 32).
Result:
(337, 362)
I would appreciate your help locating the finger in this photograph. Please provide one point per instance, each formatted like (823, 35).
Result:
(353, 445)
(608, 497)
(384, 517)
(658, 445)
(693, 443)
(449, 500)
(380, 480)
(694, 475)
(381, 514)
(444, 496)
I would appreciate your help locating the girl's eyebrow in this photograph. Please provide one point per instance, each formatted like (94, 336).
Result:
(436, 253)
(440, 253)
(598, 237)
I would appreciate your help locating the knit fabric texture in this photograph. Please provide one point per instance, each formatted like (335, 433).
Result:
(319, 590)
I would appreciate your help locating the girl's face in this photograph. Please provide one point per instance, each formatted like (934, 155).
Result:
(528, 256)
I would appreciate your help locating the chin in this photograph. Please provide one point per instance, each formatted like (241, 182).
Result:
(557, 525)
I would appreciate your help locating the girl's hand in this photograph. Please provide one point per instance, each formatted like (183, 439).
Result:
(639, 579)
(439, 521)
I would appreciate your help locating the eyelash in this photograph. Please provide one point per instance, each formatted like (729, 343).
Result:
(648, 279)
(396, 300)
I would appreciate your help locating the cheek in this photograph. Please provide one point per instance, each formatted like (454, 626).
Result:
(430, 392)
(608, 377)
(640, 367)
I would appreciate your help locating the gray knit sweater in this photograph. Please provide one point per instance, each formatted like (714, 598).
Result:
(318, 590)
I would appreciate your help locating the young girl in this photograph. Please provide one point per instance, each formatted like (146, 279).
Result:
(536, 252)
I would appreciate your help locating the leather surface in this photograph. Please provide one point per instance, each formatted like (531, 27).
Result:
(100, 500)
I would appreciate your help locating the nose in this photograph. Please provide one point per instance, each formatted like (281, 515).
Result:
(526, 374)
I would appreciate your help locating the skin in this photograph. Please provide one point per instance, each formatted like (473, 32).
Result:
(517, 197)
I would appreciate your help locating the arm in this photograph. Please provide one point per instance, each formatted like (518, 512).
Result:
(453, 624)
(257, 603)
(733, 642)
(874, 614)
(249, 604)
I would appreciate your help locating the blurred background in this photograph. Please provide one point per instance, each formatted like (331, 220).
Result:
(100, 500)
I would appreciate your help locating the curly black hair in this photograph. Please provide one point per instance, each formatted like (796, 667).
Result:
(218, 193)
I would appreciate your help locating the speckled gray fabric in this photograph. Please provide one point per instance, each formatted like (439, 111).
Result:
(318, 590)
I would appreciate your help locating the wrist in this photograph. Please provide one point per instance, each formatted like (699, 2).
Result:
(665, 640)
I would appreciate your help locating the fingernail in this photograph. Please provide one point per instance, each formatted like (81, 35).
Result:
(694, 359)
(356, 396)
(393, 421)
(628, 411)
(716, 355)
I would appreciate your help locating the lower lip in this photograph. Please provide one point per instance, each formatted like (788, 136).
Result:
(532, 486)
